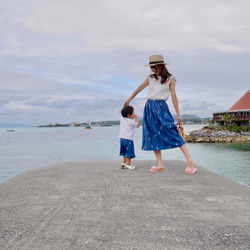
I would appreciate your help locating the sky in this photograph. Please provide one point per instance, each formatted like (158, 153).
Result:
(80, 60)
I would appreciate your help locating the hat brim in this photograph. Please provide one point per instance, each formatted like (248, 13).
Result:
(148, 65)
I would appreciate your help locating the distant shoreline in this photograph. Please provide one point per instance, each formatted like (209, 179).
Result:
(187, 120)
(199, 121)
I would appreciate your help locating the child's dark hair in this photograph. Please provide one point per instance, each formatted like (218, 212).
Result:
(127, 110)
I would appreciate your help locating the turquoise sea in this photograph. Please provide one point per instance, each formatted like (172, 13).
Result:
(31, 148)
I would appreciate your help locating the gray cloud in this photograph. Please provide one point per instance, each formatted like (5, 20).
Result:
(81, 60)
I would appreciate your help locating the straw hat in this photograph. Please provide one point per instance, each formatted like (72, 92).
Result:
(155, 60)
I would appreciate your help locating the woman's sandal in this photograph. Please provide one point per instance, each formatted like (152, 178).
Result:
(155, 169)
(190, 170)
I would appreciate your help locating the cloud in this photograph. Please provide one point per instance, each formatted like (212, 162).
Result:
(81, 59)
(119, 24)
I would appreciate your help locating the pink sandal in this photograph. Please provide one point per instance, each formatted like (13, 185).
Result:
(189, 170)
(155, 169)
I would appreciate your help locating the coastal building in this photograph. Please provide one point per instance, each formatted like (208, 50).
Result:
(74, 124)
(240, 111)
(56, 124)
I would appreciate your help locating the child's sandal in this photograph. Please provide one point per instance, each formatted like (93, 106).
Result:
(130, 167)
(123, 165)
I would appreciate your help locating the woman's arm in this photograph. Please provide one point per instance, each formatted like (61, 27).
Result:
(138, 90)
(175, 99)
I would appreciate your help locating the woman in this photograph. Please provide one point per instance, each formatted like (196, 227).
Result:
(159, 130)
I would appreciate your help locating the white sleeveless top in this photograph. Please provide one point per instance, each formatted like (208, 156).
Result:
(158, 91)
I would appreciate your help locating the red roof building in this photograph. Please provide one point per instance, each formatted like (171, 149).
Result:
(243, 103)
(240, 111)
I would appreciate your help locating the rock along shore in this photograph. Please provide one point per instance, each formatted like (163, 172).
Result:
(211, 135)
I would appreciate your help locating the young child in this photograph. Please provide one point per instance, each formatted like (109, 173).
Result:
(128, 122)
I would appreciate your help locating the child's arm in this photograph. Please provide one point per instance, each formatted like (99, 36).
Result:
(137, 120)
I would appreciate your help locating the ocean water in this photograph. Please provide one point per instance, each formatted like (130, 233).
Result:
(31, 148)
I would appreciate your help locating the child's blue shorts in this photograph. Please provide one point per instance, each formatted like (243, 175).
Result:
(127, 148)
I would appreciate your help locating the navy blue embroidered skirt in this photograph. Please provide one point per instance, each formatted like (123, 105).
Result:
(159, 129)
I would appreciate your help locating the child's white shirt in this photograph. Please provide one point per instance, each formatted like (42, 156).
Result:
(127, 128)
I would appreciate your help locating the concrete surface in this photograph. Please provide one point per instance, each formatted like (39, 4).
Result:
(97, 205)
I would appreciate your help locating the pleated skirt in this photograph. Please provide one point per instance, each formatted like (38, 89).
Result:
(159, 129)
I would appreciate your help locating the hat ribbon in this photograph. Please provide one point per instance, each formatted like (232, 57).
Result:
(156, 62)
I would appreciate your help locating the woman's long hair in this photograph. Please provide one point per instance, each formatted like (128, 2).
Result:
(164, 74)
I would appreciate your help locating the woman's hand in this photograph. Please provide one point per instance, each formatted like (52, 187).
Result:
(126, 104)
(179, 119)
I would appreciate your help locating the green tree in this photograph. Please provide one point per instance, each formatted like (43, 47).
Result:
(227, 118)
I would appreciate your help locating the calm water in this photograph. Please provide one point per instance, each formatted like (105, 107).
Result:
(30, 148)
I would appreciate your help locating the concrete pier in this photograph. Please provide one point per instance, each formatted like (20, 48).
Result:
(97, 205)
